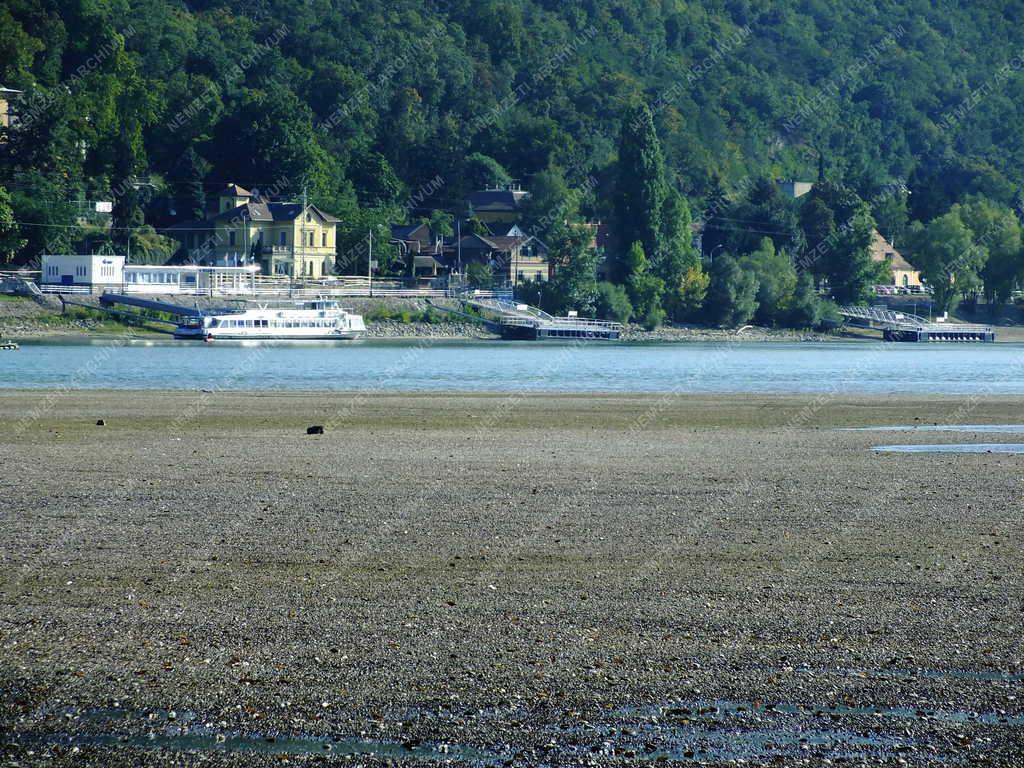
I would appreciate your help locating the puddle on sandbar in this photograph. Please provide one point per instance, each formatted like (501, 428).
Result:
(914, 674)
(1005, 429)
(718, 709)
(952, 448)
(176, 732)
(715, 731)
(732, 730)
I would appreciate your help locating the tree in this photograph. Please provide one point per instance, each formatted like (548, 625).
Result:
(806, 309)
(552, 202)
(441, 223)
(764, 211)
(479, 275)
(996, 228)
(39, 199)
(675, 254)
(268, 140)
(777, 280)
(890, 213)
(685, 300)
(613, 302)
(482, 172)
(189, 187)
(947, 256)
(640, 187)
(574, 284)
(732, 295)
(838, 228)
(645, 290)
(10, 238)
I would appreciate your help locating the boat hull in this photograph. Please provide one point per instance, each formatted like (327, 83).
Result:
(529, 333)
(205, 334)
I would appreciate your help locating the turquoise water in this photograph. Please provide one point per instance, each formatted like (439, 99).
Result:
(840, 367)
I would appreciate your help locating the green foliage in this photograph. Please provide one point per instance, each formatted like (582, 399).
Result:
(675, 255)
(483, 172)
(552, 202)
(890, 213)
(383, 313)
(806, 308)
(997, 229)
(362, 102)
(574, 285)
(685, 299)
(777, 281)
(640, 187)
(613, 302)
(645, 290)
(732, 294)
(10, 239)
(479, 275)
(945, 252)
(441, 223)
(838, 228)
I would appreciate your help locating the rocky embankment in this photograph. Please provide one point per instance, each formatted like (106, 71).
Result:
(24, 318)
(684, 333)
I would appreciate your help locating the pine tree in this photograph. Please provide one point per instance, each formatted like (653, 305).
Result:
(675, 254)
(190, 189)
(640, 189)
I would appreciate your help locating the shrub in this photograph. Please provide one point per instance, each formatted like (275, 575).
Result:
(732, 296)
(613, 303)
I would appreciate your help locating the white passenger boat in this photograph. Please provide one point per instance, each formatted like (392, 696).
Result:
(318, 319)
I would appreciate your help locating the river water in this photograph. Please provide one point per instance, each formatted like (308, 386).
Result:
(501, 366)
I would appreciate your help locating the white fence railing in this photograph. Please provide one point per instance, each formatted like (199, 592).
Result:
(65, 289)
(266, 287)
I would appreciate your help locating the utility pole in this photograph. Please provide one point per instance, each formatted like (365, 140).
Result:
(302, 230)
(458, 247)
(369, 265)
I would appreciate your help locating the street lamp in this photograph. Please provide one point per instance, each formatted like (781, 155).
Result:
(711, 256)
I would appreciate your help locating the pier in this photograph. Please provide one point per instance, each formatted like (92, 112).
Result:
(521, 321)
(903, 326)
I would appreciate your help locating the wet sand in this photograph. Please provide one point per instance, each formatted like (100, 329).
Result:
(483, 579)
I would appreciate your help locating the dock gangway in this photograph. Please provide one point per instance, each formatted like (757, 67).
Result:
(904, 326)
(522, 321)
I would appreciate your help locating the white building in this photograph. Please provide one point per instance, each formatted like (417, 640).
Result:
(82, 272)
(189, 279)
(96, 274)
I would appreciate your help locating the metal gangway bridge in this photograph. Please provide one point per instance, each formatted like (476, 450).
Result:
(903, 326)
(521, 321)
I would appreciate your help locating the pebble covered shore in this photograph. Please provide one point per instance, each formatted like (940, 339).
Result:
(486, 580)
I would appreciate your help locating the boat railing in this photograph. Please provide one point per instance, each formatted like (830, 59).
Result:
(583, 323)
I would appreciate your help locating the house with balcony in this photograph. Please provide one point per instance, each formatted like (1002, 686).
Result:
(289, 239)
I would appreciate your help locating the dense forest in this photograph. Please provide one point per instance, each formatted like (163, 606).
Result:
(651, 116)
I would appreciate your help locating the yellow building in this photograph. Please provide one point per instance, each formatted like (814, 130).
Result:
(903, 273)
(285, 239)
(7, 114)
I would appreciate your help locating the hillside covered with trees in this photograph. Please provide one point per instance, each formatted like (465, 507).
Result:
(658, 118)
